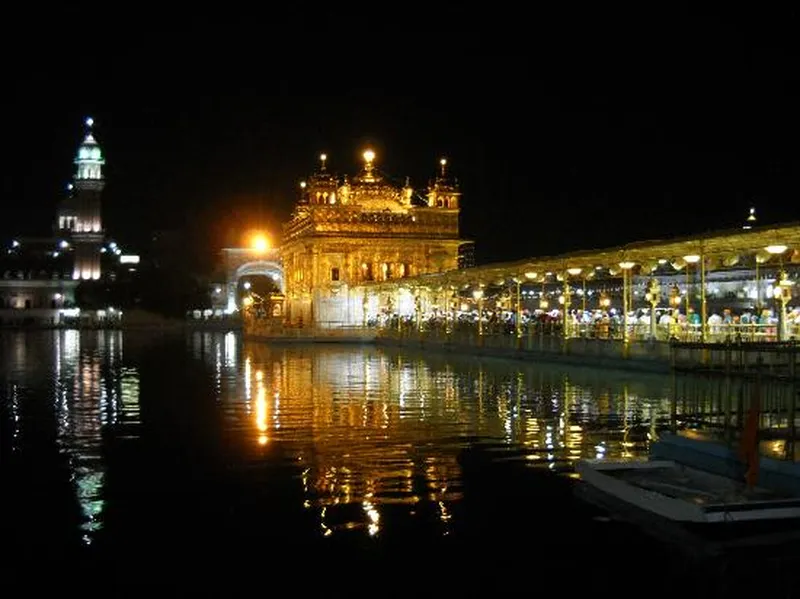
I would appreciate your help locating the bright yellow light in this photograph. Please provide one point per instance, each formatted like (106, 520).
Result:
(574, 271)
(260, 243)
(531, 275)
(626, 265)
(776, 249)
(692, 258)
(247, 301)
(369, 156)
(323, 157)
(443, 161)
(261, 410)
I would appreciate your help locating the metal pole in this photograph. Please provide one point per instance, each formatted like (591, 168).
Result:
(792, 432)
(519, 311)
(625, 306)
(653, 303)
(583, 303)
(758, 288)
(703, 307)
(418, 309)
(480, 316)
(566, 308)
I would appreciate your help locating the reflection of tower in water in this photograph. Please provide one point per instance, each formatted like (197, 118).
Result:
(92, 391)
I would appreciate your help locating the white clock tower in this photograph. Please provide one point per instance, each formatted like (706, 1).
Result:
(79, 216)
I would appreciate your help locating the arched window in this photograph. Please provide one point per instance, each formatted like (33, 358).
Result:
(366, 272)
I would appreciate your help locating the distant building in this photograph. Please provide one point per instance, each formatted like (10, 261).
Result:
(39, 276)
(345, 232)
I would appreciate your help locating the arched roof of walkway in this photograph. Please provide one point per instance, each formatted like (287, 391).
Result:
(718, 247)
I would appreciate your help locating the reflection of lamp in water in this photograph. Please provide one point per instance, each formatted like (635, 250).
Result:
(625, 429)
(261, 414)
(373, 517)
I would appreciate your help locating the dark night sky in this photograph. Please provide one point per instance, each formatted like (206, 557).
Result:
(565, 132)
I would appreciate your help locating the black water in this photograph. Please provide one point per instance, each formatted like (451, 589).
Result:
(200, 465)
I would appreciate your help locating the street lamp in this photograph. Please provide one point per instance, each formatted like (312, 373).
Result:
(453, 301)
(605, 301)
(565, 299)
(518, 318)
(675, 303)
(543, 303)
(478, 295)
(418, 308)
(782, 292)
(653, 295)
(626, 276)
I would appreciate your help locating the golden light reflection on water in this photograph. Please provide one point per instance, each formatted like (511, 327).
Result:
(374, 429)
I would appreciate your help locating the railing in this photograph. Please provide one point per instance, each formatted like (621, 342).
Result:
(335, 330)
(776, 359)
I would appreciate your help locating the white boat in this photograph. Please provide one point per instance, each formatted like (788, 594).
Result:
(680, 494)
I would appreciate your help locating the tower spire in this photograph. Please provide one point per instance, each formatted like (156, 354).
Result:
(90, 158)
(751, 219)
(80, 213)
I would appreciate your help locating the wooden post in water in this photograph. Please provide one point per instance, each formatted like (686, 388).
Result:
(749, 446)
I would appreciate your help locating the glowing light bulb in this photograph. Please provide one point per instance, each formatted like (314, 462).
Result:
(260, 243)
(369, 156)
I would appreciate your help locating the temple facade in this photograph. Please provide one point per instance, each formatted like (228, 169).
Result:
(347, 231)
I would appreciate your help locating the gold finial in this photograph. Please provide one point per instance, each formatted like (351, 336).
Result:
(322, 158)
(443, 164)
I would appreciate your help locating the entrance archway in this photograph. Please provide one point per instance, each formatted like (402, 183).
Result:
(242, 264)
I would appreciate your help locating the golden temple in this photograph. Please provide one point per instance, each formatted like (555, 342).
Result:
(350, 231)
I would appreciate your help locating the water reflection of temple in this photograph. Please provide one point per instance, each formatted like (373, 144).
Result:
(371, 429)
